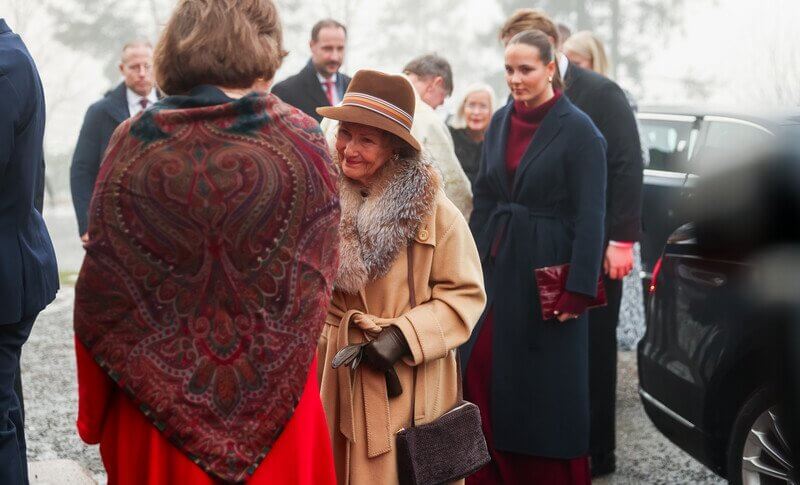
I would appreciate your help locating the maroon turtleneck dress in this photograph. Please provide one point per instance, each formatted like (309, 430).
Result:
(506, 467)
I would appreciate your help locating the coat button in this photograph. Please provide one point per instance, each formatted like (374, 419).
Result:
(423, 235)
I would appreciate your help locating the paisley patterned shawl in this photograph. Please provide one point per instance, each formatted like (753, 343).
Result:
(212, 255)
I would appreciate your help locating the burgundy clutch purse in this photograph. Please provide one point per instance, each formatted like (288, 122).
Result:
(552, 281)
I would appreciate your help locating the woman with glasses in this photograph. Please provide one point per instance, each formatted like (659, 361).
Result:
(469, 126)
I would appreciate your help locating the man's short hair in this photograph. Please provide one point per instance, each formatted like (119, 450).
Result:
(326, 24)
(208, 42)
(529, 19)
(134, 43)
(564, 32)
(431, 65)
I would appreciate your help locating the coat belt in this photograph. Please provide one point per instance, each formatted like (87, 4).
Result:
(505, 220)
(373, 388)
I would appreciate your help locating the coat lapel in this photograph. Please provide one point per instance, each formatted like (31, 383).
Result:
(498, 157)
(550, 127)
(117, 106)
(313, 87)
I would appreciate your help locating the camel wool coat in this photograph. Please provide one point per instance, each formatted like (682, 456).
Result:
(406, 206)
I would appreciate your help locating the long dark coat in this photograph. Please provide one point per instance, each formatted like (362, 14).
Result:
(101, 119)
(554, 215)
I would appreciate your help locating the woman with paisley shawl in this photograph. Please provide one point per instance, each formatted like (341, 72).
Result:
(213, 241)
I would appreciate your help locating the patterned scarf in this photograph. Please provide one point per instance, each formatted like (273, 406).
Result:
(212, 256)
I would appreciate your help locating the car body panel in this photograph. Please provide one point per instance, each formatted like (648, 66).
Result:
(705, 349)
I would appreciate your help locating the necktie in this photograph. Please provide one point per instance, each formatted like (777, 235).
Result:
(329, 91)
(143, 103)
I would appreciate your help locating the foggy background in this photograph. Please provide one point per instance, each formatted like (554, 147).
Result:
(739, 54)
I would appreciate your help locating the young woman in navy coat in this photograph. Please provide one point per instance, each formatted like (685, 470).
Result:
(539, 201)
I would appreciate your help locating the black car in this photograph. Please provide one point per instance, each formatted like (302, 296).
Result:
(680, 143)
(710, 365)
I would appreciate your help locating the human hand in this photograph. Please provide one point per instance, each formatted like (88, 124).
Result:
(618, 261)
(85, 238)
(563, 317)
(570, 306)
(387, 348)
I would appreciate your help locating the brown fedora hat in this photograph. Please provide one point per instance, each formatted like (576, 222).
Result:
(379, 100)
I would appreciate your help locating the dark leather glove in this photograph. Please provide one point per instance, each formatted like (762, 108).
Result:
(389, 347)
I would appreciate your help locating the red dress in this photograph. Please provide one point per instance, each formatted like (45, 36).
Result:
(134, 452)
(506, 467)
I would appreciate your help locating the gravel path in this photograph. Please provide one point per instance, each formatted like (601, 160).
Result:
(51, 390)
(48, 370)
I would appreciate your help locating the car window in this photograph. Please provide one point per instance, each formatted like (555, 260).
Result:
(727, 139)
(733, 137)
(668, 143)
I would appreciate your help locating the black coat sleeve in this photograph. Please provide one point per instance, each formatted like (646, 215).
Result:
(586, 171)
(616, 121)
(483, 198)
(85, 165)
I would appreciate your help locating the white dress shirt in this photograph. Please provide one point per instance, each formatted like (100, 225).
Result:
(563, 65)
(323, 80)
(134, 106)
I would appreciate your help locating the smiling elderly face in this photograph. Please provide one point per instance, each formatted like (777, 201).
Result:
(362, 151)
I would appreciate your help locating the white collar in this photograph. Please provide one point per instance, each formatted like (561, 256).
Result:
(563, 65)
(134, 98)
(323, 79)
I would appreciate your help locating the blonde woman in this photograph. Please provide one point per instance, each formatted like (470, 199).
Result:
(469, 126)
(586, 50)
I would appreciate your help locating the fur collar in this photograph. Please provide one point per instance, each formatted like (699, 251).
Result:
(374, 229)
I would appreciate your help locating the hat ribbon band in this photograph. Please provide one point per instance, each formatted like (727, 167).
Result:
(379, 106)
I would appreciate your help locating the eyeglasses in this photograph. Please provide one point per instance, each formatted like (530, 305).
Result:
(476, 107)
(138, 67)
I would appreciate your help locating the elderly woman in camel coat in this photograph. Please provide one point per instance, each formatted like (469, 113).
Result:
(398, 230)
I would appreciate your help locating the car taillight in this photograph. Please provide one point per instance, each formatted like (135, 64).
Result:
(656, 270)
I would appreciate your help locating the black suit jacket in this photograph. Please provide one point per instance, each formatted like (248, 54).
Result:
(101, 119)
(608, 107)
(304, 91)
(28, 273)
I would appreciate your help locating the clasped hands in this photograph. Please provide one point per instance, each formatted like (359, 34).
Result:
(381, 353)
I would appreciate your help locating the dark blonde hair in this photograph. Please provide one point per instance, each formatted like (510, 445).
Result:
(547, 52)
(229, 43)
(529, 19)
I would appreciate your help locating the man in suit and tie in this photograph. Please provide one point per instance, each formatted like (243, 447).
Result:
(608, 107)
(319, 83)
(28, 273)
(136, 93)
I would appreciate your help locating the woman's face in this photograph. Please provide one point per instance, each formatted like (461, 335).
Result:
(580, 60)
(527, 76)
(362, 151)
(478, 111)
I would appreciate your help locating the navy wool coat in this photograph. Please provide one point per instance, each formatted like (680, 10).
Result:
(28, 273)
(101, 119)
(553, 215)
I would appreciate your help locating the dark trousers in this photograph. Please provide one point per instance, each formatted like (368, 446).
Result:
(13, 460)
(603, 371)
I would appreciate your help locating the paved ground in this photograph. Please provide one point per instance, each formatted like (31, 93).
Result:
(48, 370)
(644, 456)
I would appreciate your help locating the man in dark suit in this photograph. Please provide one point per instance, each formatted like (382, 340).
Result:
(134, 94)
(28, 273)
(319, 83)
(608, 107)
